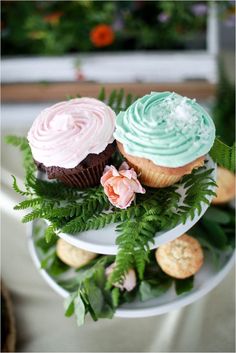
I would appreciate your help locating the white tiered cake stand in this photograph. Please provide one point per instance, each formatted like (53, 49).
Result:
(102, 241)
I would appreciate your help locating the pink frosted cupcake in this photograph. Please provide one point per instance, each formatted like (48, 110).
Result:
(72, 141)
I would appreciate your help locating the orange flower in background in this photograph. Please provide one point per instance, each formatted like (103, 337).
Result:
(53, 18)
(102, 35)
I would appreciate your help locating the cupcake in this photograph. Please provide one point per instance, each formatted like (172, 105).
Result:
(164, 136)
(72, 141)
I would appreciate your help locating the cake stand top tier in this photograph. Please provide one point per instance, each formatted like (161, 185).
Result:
(103, 241)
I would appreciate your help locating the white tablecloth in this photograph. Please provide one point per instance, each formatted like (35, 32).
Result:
(205, 326)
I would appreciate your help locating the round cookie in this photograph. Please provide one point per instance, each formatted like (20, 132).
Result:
(226, 186)
(180, 258)
(73, 256)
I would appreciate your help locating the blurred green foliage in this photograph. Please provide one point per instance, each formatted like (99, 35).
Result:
(224, 109)
(58, 27)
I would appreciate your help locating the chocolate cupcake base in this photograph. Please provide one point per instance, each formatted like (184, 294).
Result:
(86, 174)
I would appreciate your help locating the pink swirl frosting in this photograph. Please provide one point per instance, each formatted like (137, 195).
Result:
(65, 133)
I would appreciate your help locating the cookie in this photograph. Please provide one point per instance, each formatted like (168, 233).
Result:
(73, 256)
(226, 186)
(180, 258)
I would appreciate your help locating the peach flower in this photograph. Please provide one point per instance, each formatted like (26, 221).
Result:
(129, 281)
(121, 185)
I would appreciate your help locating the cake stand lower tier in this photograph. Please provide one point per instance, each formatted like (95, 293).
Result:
(205, 280)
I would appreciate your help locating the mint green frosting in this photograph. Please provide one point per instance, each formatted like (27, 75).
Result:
(166, 128)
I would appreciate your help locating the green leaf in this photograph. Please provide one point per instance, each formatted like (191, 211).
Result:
(223, 155)
(224, 107)
(95, 296)
(22, 144)
(35, 214)
(28, 203)
(216, 215)
(79, 310)
(102, 95)
(70, 285)
(214, 252)
(200, 232)
(17, 189)
(87, 272)
(107, 311)
(128, 100)
(57, 267)
(129, 297)
(153, 288)
(48, 260)
(112, 98)
(50, 233)
(69, 305)
(184, 285)
(115, 295)
(16, 141)
(215, 233)
(43, 245)
(119, 98)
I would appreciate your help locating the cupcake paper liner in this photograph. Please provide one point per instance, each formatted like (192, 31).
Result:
(153, 178)
(156, 176)
(84, 178)
(86, 174)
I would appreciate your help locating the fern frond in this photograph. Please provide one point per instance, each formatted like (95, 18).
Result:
(40, 212)
(119, 100)
(18, 190)
(128, 101)
(17, 141)
(197, 187)
(35, 214)
(29, 203)
(223, 155)
(102, 94)
(83, 210)
(99, 221)
(23, 145)
(112, 98)
(52, 190)
(50, 233)
(134, 246)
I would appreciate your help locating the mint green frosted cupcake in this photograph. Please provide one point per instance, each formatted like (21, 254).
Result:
(164, 136)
